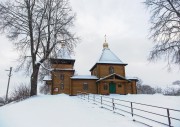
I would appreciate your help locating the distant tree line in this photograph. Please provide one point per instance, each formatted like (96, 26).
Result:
(147, 89)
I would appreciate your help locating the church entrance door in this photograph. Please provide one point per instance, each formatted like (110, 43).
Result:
(112, 87)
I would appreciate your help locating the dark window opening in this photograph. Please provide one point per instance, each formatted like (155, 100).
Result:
(85, 86)
(62, 86)
(119, 85)
(95, 72)
(111, 70)
(105, 86)
(62, 76)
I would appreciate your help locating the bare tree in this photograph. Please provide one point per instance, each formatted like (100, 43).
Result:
(37, 28)
(139, 85)
(144, 89)
(44, 89)
(177, 82)
(165, 30)
(158, 90)
(20, 92)
(1, 101)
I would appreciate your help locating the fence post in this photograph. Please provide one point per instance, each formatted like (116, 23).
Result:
(94, 98)
(113, 104)
(132, 109)
(169, 119)
(88, 97)
(101, 101)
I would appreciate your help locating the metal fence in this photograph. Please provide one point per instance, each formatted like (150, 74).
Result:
(143, 113)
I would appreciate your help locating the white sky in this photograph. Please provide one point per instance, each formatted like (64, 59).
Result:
(126, 24)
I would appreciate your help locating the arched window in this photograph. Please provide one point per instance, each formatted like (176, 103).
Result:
(62, 76)
(62, 86)
(111, 70)
(95, 72)
(105, 86)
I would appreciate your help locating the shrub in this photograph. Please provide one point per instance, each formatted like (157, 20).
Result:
(44, 89)
(20, 92)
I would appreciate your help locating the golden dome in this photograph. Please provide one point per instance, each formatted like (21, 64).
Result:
(105, 45)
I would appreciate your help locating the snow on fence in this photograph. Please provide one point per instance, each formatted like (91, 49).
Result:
(149, 115)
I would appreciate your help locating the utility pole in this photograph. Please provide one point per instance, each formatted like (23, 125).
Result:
(8, 83)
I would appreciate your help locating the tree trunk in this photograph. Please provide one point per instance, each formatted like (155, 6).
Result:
(34, 79)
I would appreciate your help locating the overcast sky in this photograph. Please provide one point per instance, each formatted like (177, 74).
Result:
(126, 24)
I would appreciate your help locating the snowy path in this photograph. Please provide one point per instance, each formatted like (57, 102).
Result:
(60, 111)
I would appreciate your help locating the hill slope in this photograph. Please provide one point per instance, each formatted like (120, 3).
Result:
(59, 111)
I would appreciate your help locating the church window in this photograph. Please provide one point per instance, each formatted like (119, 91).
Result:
(62, 76)
(111, 70)
(95, 72)
(119, 85)
(62, 86)
(105, 86)
(85, 86)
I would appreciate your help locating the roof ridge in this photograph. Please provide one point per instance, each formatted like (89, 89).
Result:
(107, 56)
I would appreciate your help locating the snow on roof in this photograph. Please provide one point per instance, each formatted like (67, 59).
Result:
(63, 53)
(63, 69)
(108, 56)
(84, 77)
(131, 78)
(47, 78)
(111, 75)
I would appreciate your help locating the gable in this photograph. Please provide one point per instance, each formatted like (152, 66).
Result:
(108, 56)
(113, 76)
(84, 77)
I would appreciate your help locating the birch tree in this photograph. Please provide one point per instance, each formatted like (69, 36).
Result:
(37, 28)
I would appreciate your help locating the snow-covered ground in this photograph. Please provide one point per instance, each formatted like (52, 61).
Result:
(123, 102)
(60, 111)
(70, 111)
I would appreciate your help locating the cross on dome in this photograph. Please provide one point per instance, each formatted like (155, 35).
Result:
(105, 44)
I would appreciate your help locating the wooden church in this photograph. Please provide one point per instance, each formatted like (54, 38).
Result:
(107, 75)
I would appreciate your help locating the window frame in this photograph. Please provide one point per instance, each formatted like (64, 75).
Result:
(119, 85)
(62, 77)
(62, 86)
(105, 86)
(111, 70)
(85, 86)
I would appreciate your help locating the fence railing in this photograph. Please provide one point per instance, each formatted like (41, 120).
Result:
(136, 110)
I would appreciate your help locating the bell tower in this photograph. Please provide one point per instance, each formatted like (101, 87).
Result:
(62, 70)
